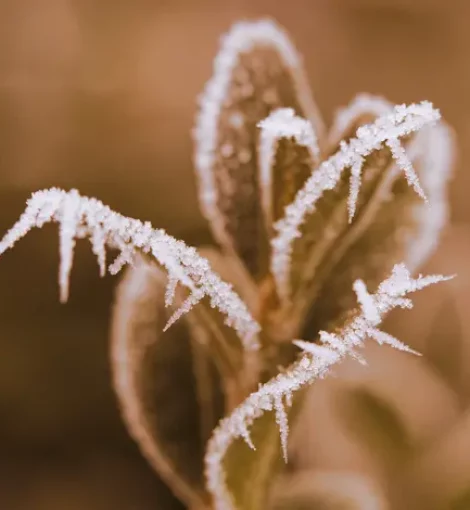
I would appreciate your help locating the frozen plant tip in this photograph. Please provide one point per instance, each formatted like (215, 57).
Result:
(314, 364)
(80, 217)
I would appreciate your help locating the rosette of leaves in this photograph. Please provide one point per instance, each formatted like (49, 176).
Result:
(306, 220)
(258, 138)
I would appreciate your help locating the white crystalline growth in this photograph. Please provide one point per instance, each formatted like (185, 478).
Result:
(387, 129)
(314, 364)
(281, 124)
(81, 217)
(363, 105)
(242, 38)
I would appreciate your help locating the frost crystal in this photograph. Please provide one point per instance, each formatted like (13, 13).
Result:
(315, 363)
(388, 129)
(87, 217)
(281, 123)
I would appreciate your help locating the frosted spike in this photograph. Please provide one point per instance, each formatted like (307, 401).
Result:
(355, 186)
(98, 246)
(81, 216)
(368, 306)
(192, 300)
(246, 437)
(399, 155)
(126, 257)
(384, 338)
(403, 121)
(170, 290)
(67, 233)
(283, 424)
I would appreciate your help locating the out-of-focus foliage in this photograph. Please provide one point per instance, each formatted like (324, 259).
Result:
(92, 94)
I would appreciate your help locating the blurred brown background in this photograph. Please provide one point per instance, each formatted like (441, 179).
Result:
(100, 95)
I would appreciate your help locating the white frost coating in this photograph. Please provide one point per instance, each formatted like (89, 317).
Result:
(362, 105)
(314, 364)
(170, 291)
(242, 38)
(80, 216)
(403, 162)
(67, 230)
(98, 248)
(354, 186)
(281, 123)
(401, 122)
(435, 147)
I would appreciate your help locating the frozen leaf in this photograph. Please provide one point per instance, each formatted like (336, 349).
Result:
(154, 381)
(256, 71)
(279, 391)
(394, 224)
(315, 231)
(80, 217)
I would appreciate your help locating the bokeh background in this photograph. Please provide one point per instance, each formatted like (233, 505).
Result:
(101, 95)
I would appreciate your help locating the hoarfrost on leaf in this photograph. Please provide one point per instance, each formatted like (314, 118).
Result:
(387, 129)
(314, 364)
(80, 217)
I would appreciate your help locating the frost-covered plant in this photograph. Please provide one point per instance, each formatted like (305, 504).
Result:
(307, 222)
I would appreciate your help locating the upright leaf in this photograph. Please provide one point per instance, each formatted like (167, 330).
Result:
(256, 71)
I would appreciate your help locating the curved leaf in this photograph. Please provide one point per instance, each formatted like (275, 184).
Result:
(156, 385)
(256, 71)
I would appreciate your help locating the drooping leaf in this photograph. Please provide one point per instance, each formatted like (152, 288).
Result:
(256, 71)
